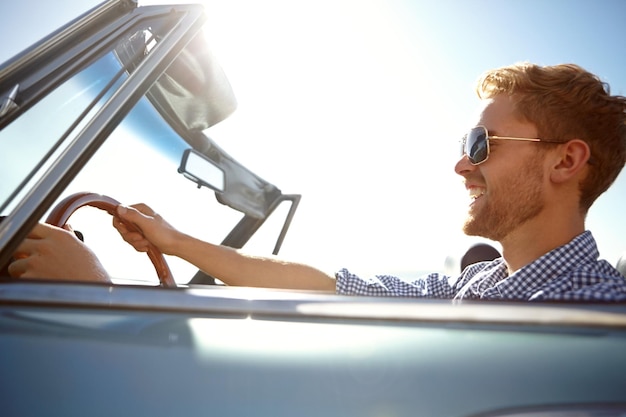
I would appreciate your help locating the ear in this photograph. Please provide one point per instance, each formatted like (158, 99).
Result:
(569, 160)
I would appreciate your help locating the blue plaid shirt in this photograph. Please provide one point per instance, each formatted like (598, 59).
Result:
(571, 272)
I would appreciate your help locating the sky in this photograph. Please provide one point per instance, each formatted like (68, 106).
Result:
(358, 105)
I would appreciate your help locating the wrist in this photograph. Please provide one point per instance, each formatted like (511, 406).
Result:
(176, 245)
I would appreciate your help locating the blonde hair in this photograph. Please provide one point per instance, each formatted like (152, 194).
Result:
(567, 102)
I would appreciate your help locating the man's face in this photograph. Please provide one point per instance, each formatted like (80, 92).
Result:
(506, 191)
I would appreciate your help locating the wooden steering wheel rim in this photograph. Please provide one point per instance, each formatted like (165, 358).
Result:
(64, 209)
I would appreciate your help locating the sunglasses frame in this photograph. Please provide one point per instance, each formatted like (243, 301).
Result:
(488, 138)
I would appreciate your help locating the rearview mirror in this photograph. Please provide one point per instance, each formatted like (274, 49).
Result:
(193, 93)
(201, 170)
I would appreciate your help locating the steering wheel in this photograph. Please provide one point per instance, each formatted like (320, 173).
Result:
(65, 208)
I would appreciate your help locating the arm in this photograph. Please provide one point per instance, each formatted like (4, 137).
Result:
(226, 264)
(50, 252)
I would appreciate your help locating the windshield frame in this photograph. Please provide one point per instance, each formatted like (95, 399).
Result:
(188, 21)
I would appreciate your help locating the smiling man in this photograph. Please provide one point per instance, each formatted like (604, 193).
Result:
(548, 142)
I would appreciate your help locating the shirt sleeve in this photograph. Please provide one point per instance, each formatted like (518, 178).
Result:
(433, 285)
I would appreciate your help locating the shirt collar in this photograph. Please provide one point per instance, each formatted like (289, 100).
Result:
(529, 279)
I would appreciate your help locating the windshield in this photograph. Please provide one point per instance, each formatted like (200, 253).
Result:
(141, 157)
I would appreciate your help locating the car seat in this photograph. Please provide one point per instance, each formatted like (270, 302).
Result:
(479, 253)
(621, 264)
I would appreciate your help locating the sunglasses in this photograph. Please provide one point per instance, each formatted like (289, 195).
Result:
(475, 144)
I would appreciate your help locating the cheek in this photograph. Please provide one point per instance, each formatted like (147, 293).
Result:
(515, 179)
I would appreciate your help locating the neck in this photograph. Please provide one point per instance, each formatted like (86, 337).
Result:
(539, 236)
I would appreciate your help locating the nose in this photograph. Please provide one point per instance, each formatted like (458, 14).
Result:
(464, 166)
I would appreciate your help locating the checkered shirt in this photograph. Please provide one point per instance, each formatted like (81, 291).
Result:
(571, 272)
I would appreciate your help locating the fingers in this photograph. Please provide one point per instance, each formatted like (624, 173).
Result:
(136, 212)
(132, 216)
(23, 268)
(137, 241)
(138, 215)
(35, 250)
(144, 209)
(54, 253)
(17, 268)
(153, 229)
(43, 230)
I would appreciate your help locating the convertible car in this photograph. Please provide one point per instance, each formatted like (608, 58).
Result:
(114, 107)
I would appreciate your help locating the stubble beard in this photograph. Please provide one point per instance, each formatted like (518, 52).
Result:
(508, 207)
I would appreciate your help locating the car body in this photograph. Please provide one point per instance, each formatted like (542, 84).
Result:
(118, 102)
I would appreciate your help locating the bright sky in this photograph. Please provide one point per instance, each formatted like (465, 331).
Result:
(359, 104)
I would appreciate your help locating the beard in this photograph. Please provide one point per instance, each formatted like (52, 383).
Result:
(508, 206)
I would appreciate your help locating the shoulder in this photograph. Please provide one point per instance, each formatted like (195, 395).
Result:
(596, 281)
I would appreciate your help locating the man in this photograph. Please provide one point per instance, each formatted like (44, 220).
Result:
(548, 142)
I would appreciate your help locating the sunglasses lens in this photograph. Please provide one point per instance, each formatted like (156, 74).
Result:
(476, 145)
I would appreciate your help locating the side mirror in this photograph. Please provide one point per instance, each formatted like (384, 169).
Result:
(201, 170)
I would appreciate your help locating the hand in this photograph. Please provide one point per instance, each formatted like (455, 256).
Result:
(153, 229)
(50, 252)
